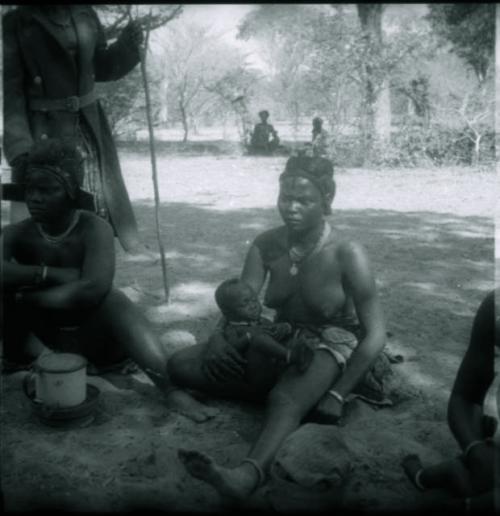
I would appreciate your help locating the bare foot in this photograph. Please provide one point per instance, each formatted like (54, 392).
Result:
(412, 465)
(185, 404)
(236, 483)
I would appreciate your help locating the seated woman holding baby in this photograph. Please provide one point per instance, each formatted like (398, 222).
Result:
(58, 268)
(316, 278)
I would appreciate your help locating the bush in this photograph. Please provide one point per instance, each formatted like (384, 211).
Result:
(437, 145)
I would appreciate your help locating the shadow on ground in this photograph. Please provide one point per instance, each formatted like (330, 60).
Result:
(432, 271)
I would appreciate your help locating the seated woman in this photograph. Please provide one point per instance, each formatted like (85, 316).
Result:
(58, 268)
(470, 477)
(313, 270)
(264, 138)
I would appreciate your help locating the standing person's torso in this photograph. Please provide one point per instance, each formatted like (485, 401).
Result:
(57, 57)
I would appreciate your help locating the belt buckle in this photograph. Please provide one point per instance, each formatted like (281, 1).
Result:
(72, 103)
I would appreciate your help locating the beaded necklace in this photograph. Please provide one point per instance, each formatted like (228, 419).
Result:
(298, 254)
(57, 239)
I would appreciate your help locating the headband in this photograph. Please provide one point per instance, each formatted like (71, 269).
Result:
(319, 171)
(61, 176)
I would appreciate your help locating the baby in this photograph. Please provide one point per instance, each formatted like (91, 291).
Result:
(244, 327)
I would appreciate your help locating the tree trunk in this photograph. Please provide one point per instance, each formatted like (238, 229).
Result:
(497, 81)
(163, 111)
(370, 17)
(184, 122)
(295, 118)
(383, 115)
(477, 150)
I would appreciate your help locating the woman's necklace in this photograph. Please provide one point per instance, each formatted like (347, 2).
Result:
(297, 254)
(57, 239)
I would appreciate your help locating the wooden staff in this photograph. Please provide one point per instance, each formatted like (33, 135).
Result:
(152, 149)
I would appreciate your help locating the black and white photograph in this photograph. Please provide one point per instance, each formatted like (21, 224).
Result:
(250, 255)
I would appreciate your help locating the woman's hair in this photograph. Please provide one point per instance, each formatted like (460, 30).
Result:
(318, 171)
(61, 159)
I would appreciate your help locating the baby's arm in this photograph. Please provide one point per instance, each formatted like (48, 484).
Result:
(299, 353)
(267, 345)
(237, 337)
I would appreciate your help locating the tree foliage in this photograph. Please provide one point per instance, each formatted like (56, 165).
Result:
(470, 29)
(198, 75)
(123, 100)
(150, 17)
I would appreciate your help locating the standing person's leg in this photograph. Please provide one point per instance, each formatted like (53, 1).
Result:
(126, 325)
(288, 403)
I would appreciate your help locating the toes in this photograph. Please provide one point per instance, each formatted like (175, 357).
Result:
(193, 457)
(194, 461)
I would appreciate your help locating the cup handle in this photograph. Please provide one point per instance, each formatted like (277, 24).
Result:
(28, 380)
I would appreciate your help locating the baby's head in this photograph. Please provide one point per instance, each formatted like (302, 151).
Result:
(237, 301)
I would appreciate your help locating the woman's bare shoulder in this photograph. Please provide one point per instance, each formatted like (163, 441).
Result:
(344, 245)
(272, 243)
(90, 222)
(272, 234)
(19, 229)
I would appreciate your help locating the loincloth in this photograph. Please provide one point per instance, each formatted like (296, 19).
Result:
(340, 343)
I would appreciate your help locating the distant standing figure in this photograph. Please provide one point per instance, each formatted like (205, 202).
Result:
(53, 55)
(265, 138)
(319, 138)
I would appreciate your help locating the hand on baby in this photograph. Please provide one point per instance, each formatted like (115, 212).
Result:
(301, 355)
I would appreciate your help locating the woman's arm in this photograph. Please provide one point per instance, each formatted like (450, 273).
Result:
(360, 284)
(116, 60)
(474, 377)
(19, 276)
(96, 275)
(221, 361)
(253, 273)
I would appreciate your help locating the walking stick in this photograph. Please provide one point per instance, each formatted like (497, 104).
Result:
(152, 149)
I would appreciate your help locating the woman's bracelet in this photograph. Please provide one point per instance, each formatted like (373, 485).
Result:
(41, 274)
(337, 396)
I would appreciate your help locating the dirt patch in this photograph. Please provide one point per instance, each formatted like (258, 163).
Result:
(429, 234)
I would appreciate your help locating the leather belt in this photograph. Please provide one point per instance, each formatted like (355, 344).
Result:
(72, 104)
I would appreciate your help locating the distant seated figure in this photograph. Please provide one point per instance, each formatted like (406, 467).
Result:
(264, 138)
(245, 328)
(319, 138)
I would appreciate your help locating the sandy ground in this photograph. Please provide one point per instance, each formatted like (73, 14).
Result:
(430, 236)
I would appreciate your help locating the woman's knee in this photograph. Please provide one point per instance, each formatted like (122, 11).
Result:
(183, 364)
